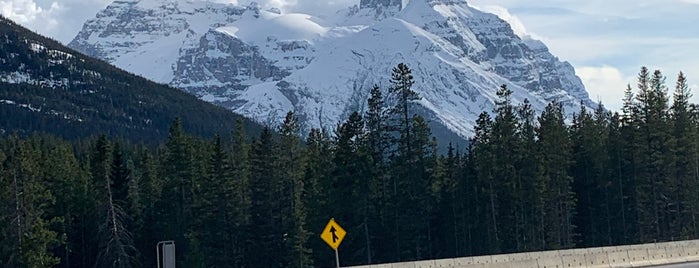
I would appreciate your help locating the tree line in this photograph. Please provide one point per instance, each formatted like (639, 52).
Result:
(526, 182)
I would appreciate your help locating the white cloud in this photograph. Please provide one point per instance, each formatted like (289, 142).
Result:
(504, 14)
(59, 19)
(314, 7)
(604, 83)
(29, 12)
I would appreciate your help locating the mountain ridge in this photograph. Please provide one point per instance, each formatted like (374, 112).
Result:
(47, 87)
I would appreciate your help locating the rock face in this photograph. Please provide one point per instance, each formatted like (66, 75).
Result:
(263, 63)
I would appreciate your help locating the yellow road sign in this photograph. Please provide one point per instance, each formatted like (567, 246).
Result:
(333, 234)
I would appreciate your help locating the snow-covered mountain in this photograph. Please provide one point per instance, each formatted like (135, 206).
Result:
(263, 63)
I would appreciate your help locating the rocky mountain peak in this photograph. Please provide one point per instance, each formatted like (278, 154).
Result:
(381, 3)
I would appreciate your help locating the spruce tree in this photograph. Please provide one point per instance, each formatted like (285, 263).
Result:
(292, 189)
(175, 206)
(486, 195)
(210, 207)
(62, 174)
(620, 182)
(403, 94)
(629, 165)
(683, 180)
(265, 219)
(350, 188)
(319, 167)
(504, 144)
(555, 156)
(654, 159)
(28, 239)
(417, 209)
(378, 143)
(116, 242)
(530, 190)
(149, 189)
(590, 176)
(237, 192)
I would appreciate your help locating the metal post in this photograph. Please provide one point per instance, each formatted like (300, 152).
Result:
(168, 257)
(337, 259)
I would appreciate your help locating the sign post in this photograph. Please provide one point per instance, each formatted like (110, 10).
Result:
(333, 235)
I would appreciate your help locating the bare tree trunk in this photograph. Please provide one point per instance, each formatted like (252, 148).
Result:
(18, 213)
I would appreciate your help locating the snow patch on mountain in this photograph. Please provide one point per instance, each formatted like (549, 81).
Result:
(285, 27)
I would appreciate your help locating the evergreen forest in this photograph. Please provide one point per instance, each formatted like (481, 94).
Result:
(527, 181)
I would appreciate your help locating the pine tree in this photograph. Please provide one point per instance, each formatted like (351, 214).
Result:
(446, 215)
(555, 156)
(210, 207)
(265, 220)
(653, 155)
(350, 187)
(292, 189)
(683, 180)
(177, 189)
(63, 176)
(530, 188)
(401, 90)
(403, 95)
(620, 190)
(590, 176)
(149, 190)
(485, 193)
(378, 142)
(319, 167)
(417, 209)
(629, 165)
(116, 242)
(504, 144)
(238, 195)
(28, 240)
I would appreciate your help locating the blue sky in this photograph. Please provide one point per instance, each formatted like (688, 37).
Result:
(607, 41)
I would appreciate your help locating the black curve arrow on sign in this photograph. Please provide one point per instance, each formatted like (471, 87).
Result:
(333, 230)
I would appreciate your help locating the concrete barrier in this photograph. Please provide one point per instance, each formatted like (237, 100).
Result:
(445, 263)
(604, 257)
(618, 257)
(425, 264)
(691, 249)
(573, 260)
(657, 256)
(573, 257)
(482, 260)
(463, 262)
(403, 265)
(515, 264)
(675, 252)
(548, 259)
(597, 259)
(520, 256)
(499, 258)
(638, 257)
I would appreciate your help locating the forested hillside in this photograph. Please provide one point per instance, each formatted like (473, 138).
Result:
(46, 87)
(528, 182)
